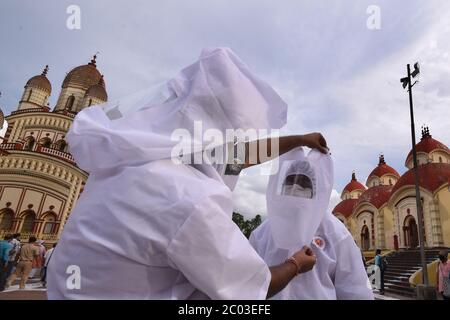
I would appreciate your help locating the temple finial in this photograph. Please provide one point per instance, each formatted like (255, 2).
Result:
(94, 60)
(425, 132)
(44, 73)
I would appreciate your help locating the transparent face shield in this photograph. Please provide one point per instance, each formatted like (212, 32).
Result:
(298, 180)
(298, 197)
(297, 185)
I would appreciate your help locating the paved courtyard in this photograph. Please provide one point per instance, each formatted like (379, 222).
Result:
(33, 291)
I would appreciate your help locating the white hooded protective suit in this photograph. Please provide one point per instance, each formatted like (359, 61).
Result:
(145, 227)
(298, 216)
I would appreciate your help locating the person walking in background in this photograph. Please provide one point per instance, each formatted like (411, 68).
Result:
(362, 255)
(363, 258)
(5, 248)
(47, 257)
(443, 274)
(25, 264)
(381, 263)
(38, 261)
(13, 254)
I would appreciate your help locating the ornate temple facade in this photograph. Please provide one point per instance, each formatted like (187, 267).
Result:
(382, 213)
(39, 180)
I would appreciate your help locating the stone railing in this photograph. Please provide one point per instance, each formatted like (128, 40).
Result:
(371, 254)
(49, 237)
(30, 110)
(45, 109)
(57, 153)
(66, 113)
(39, 148)
(3, 233)
(11, 146)
(24, 236)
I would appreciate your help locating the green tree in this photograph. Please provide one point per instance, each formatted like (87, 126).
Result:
(246, 226)
(238, 219)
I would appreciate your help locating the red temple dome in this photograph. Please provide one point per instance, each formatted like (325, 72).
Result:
(345, 207)
(377, 196)
(427, 145)
(431, 177)
(354, 184)
(382, 169)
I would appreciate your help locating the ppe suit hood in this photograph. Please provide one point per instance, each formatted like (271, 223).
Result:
(216, 92)
(298, 197)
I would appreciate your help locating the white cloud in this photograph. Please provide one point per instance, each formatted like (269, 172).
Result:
(334, 200)
(3, 129)
(367, 113)
(249, 196)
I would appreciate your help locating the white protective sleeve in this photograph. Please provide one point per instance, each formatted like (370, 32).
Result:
(214, 255)
(351, 281)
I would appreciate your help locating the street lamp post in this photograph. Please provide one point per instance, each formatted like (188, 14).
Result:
(407, 82)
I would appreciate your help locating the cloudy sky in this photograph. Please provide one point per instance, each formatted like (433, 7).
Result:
(338, 76)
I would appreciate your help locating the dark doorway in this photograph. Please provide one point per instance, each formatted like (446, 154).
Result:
(411, 235)
(365, 238)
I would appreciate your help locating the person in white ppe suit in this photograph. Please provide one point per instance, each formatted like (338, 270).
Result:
(297, 201)
(149, 227)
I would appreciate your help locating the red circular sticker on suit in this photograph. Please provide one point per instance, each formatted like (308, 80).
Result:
(319, 242)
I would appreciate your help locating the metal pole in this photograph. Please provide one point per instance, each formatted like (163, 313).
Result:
(416, 180)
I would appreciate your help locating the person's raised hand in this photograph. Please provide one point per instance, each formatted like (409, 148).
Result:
(305, 258)
(315, 141)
